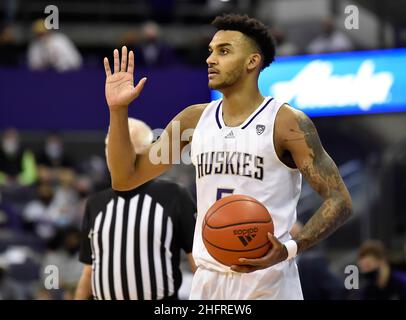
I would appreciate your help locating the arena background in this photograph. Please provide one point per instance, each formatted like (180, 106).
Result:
(368, 142)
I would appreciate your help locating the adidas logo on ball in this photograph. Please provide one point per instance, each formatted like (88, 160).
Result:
(246, 235)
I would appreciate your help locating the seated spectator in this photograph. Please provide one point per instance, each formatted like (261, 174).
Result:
(381, 281)
(94, 169)
(284, 47)
(54, 208)
(151, 50)
(36, 214)
(63, 253)
(17, 166)
(65, 202)
(52, 50)
(53, 161)
(330, 40)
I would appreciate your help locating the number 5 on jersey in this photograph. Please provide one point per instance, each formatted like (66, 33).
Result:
(222, 191)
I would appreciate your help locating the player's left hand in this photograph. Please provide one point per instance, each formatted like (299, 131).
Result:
(276, 254)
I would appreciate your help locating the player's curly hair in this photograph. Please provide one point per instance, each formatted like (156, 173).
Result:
(252, 28)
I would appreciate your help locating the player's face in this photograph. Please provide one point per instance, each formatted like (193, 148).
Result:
(228, 54)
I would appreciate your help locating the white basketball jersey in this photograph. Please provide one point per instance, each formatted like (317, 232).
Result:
(241, 160)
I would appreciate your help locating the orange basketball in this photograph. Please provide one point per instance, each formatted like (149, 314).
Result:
(236, 227)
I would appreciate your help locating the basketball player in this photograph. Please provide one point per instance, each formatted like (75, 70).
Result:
(285, 143)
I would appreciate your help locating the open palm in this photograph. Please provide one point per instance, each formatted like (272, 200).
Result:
(120, 90)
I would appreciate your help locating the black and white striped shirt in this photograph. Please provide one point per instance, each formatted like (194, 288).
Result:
(133, 239)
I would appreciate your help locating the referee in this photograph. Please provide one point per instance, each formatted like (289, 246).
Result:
(131, 240)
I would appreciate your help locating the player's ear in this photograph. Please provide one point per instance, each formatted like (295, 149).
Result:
(254, 61)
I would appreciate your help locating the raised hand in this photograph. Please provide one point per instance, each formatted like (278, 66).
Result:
(120, 90)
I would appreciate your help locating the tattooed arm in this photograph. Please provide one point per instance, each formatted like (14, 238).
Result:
(301, 142)
(298, 145)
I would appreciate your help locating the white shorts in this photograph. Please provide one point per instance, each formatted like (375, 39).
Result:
(280, 282)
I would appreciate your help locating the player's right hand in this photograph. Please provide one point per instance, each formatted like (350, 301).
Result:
(120, 90)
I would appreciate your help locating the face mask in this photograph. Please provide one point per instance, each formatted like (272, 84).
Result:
(46, 199)
(53, 150)
(371, 275)
(10, 147)
(83, 194)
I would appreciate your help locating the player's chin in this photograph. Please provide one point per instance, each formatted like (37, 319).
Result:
(214, 85)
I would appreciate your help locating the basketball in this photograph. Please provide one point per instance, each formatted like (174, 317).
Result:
(236, 227)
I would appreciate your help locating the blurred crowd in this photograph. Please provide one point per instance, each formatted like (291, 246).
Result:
(43, 193)
(42, 198)
(373, 273)
(53, 49)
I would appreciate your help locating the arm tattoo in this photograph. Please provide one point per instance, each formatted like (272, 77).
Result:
(322, 174)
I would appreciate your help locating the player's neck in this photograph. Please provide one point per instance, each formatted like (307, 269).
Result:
(241, 102)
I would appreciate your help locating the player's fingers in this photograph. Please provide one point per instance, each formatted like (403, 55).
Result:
(138, 88)
(243, 269)
(274, 240)
(140, 84)
(263, 261)
(116, 61)
(130, 68)
(107, 67)
(123, 58)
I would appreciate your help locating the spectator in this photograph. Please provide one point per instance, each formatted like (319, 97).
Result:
(283, 46)
(63, 252)
(66, 199)
(331, 40)
(52, 50)
(53, 162)
(152, 50)
(37, 213)
(53, 209)
(381, 281)
(17, 166)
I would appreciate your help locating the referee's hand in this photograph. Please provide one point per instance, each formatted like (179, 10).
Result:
(120, 90)
(276, 254)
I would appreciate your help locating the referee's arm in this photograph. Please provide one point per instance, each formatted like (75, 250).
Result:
(187, 218)
(84, 288)
(191, 262)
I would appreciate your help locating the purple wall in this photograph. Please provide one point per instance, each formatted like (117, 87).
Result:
(75, 100)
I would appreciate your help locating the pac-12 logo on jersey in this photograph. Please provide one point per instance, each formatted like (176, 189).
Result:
(260, 129)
